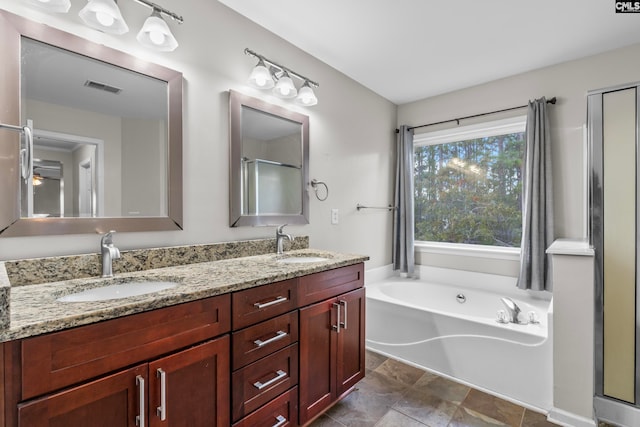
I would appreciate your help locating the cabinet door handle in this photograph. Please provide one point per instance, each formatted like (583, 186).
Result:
(280, 374)
(279, 335)
(336, 327)
(162, 409)
(278, 300)
(141, 399)
(343, 324)
(280, 421)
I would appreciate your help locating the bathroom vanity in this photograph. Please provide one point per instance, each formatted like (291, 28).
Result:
(249, 341)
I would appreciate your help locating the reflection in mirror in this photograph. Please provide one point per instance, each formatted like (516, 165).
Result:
(110, 121)
(269, 155)
(77, 104)
(272, 164)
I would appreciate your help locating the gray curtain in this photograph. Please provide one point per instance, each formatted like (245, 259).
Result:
(537, 208)
(403, 226)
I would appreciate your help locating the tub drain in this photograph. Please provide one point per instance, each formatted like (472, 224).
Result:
(461, 298)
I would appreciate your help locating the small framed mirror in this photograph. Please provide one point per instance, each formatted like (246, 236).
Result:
(269, 163)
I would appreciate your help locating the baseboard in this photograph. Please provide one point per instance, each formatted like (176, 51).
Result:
(569, 419)
(615, 412)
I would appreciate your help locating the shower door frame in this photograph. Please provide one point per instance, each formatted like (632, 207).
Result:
(610, 408)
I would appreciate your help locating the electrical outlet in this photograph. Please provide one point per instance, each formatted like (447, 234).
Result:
(334, 216)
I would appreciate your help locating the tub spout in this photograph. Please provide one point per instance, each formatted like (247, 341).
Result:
(512, 309)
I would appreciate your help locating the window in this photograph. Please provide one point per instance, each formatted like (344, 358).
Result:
(468, 184)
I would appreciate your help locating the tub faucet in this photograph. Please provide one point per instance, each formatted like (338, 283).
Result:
(512, 309)
(280, 236)
(109, 253)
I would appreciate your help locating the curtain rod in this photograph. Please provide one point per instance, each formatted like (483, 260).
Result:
(549, 101)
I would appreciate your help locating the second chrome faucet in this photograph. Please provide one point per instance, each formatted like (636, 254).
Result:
(109, 253)
(280, 236)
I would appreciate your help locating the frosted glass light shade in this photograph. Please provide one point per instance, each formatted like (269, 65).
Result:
(261, 77)
(155, 34)
(59, 6)
(306, 97)
(285, 87)
(104, 15)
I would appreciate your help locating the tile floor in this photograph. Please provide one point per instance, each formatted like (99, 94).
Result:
(394, 394)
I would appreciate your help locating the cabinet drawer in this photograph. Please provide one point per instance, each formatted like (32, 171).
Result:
(327, 284)
(264, 302)
(60, 359)
(256, 384)
(259, 340)
(281, 411)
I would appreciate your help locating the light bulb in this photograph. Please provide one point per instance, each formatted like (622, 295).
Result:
(104, 19)
(156, 37)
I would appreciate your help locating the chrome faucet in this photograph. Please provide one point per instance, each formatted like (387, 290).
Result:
(109, 253)
(280, 236)
(512, 309)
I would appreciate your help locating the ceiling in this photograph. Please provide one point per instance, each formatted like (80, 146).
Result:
(406, 50)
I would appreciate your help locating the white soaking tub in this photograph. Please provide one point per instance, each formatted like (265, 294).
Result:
(423, 322)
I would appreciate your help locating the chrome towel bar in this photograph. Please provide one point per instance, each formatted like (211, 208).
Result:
(388, 208)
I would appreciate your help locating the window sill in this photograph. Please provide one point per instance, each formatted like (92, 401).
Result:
(476, 251)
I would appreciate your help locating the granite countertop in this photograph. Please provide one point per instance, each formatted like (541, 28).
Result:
(34, 309)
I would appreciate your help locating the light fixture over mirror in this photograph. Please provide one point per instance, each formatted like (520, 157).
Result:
(155, 33)
(107, 146)
(105, 16)
(263, 77)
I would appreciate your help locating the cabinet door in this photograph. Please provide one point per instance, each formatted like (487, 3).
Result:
(113, 401)
(191, 388)
(317, 358)
(350, 352)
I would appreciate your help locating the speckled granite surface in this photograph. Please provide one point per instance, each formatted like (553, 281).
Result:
(54, 269)
(5, 292)
(35, 310)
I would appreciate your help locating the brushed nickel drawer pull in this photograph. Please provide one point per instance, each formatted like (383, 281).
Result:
(162, 409)
(279, 335)
(280, 375)
(281, 421)
(344, 324)
(278, 300)
(336, 327)
(141, 399)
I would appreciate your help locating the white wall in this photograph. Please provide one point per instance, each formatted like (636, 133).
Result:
(351, 135)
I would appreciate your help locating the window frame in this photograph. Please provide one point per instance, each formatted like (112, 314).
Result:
(515, 124)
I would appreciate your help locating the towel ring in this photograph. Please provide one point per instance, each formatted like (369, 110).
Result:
(314, 184)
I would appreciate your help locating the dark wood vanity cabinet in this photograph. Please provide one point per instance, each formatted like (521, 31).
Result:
(332, 339)
(159, 368)
(273, 355)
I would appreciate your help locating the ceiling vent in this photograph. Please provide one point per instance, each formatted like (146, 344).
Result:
(102, 86)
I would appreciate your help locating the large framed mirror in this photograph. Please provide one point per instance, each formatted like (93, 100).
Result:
(107, 128)
(269, 164)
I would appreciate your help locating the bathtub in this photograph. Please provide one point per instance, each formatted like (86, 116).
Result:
(422, 322)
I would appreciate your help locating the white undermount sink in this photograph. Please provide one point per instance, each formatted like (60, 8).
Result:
(117, 291)
(301, 259)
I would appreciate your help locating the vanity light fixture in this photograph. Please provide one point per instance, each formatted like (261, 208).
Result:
(58, 6)
(268, 74)
(306, 97)
(104, 15)
(155, 33)
(261, 77)
(285, 87)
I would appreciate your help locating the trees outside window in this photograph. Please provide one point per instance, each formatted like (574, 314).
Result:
(469, 191)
